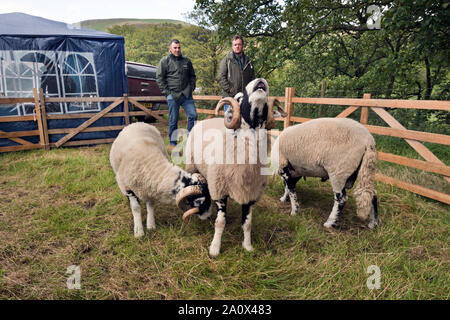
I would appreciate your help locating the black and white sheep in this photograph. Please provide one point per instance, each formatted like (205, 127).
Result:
(230, 153)
(330, 148)
(144, 172)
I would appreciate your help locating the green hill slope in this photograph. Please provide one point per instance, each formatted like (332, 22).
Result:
(104, 24)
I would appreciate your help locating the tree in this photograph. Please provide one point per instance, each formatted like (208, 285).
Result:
(285, 31)
(148, 43)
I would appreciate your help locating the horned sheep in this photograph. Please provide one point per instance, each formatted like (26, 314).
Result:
(239, 135)
(330, 148)
(144, 172)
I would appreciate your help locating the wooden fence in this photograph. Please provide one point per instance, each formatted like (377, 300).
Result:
(395, 129)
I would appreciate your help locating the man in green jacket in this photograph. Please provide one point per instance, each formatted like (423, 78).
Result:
(236, 70)
(176, 79)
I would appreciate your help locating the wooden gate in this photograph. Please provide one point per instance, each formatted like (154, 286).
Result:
(431, 163)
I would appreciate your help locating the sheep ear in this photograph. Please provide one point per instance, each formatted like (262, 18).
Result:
(276, 114)
(200, 178)
(280, 112)
(238, 97)
(228, 115)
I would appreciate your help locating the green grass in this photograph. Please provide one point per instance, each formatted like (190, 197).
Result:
(62, 207)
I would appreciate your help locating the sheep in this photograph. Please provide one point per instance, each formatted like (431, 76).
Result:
(143, 171)
(234, 168)
(330, 148)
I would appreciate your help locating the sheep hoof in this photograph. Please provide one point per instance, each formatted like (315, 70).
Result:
(284, 199)
(295, 210)
(373, 224)
(214, 251)
(330, 224)
(247, 247)
(138, 233)
(149, 228)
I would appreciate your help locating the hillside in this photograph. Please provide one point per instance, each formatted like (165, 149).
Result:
(104, 24)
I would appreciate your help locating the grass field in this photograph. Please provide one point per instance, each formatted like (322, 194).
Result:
(62, 207)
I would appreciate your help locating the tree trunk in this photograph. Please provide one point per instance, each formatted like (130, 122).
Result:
(419, 91)
(390, 87)
(429, 87)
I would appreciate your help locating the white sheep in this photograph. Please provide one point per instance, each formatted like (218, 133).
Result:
(144, 172)
(330, 148)
(229, 153)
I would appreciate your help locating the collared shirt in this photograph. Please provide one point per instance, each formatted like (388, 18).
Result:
(240, 59)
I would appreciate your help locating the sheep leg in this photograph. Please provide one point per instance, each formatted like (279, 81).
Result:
(285, 197)
(289, 188)
(150, 216)
(340, 198)
(137, 217)
(247, 225)
(374, 221)
(219, 226)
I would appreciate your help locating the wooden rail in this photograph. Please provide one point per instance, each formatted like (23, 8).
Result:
(415, 138)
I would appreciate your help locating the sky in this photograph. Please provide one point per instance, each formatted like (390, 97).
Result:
(72, 11)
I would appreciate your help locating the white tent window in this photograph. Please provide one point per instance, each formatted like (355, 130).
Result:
(79, 80)
(21, 71)
(58, 73)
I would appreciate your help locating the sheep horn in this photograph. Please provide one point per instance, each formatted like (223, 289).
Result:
(270, 124)
(189, 213)
(186, 192)
(277, 104)
(236, 119)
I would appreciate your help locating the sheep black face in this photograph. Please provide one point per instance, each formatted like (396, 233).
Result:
(195, 199)
(251, 108)
(199, 204)
(253, 103)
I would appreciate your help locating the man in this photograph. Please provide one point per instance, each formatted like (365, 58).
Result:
(176, 79)
(236, 70)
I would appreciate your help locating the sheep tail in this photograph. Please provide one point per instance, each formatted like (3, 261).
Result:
(365, 193)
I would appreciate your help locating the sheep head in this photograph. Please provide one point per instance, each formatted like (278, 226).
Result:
(251, 108)
(194, 199)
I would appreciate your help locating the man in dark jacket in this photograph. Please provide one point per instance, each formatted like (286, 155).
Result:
(236, 69)
(176, 80)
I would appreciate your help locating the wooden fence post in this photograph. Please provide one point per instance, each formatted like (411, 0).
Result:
(126, 109)
(322, 95)
(288, 105)
(44, 119)
(41, 116)
(365, 110)
(37, 109)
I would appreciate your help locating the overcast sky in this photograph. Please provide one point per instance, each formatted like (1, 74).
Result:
(71, 11)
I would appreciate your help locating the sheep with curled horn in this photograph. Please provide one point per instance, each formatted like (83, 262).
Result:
(144, 172)
(254, 110)
(230, 153)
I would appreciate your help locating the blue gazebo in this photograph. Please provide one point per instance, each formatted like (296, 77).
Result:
(63, 60)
